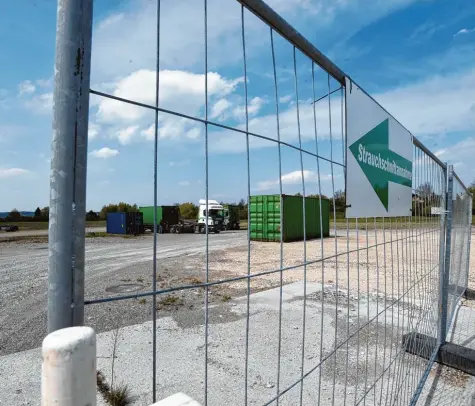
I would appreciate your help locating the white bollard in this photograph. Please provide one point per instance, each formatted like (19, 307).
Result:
(69, 368)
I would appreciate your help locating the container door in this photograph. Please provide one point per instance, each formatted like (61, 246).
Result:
(273, 218)
(265, 217)
(123, 222)
(256, 216)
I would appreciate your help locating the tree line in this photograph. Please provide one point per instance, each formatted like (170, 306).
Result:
(422, 199)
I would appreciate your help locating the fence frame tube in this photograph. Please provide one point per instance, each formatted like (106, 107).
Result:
(444, 278)
(275, 21)
(68, 164)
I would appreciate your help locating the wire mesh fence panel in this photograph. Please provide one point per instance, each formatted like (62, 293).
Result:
(459, 248)
(305, 306)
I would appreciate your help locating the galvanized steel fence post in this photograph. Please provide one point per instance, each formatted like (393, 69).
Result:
(445, 269)
(68, 164)
(443, 227)
(469, 237)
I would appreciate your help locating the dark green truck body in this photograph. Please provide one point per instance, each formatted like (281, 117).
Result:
(167, 216)
(265, 216)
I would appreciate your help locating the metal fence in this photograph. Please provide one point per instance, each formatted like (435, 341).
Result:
(313, 322)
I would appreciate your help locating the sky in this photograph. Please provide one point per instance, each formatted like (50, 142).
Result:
(415, 57)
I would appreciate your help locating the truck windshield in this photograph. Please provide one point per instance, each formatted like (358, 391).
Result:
(214, 213)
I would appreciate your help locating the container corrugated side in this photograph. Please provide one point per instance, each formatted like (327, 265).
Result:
(265, 217)
(116, 223)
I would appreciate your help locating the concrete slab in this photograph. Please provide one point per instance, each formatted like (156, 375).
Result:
(373, 353)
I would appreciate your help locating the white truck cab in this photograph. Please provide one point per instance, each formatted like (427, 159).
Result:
(214, 216)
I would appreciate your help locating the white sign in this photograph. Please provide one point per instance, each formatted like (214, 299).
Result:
(436, 211)
(378, 159)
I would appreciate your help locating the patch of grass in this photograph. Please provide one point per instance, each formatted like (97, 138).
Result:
(226, 298)
(193, 280)
(39, 239)
(170, 300)
(96, 234)
(142, 300)
(102, 234)
(113, 396)
(44, 238)
(43, 225)
(388, 223)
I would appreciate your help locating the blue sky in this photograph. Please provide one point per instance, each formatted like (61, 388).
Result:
(416, 57)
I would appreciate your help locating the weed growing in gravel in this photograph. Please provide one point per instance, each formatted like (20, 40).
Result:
(119, 396)
(169, 301)
(142, 300)
(193, 280)
(114, 395)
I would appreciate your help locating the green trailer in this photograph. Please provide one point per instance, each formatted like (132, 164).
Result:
(167, 217)
(265, 217)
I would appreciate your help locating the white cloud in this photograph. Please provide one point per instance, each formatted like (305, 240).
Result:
(104, 153)
(41, 104)
(149, 133)
(12, 172)
(179, 163)
(184, 183)
(26, 87)
(425, 32)
(253, 108)
(125, 135)
(116, 52)
(437, 105)
(428, 108)
(285, 99)
(93, 130)
(179, 91)
(173, 127)
(266, 125)
(293, 178)
(464, 31)
(44, 82)
(462, 154)
(219, 108)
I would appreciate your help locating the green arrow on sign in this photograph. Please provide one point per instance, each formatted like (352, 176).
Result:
(379, 163)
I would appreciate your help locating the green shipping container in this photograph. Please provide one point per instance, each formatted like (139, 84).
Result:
(148, 214)
(265, 217)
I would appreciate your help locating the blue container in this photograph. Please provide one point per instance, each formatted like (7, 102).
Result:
(116, 223)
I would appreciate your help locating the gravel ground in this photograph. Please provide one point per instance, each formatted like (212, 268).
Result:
(110, 262)
(116, 266)
(123, 266)
(30, 233)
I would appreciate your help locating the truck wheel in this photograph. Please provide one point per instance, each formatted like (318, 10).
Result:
(203, 230)
(216, 231)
